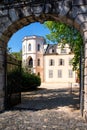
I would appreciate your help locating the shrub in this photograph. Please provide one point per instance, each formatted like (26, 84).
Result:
(19, 81)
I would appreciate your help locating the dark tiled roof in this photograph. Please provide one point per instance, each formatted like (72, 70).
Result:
(51, 49)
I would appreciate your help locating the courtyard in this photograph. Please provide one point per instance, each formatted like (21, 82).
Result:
(47, 108)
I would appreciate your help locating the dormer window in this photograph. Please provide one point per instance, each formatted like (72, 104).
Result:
(51, 50)
(63, 51)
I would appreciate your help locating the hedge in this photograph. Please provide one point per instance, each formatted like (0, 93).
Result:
(20, 81)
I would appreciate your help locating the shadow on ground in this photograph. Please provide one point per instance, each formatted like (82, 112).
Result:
(41, 99)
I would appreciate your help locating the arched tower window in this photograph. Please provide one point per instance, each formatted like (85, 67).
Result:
(38, 62)
(38, 47)
(29, 47)
(38, 73)
(30, 63)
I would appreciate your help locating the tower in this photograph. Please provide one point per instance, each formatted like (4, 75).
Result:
(32, 54)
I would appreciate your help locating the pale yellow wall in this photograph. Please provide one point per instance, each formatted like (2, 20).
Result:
(65, 78)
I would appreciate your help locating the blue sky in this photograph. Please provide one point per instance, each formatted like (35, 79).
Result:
(15, 42)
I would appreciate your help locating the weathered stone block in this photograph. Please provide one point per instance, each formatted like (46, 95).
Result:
(13, 15)
(3, 12)
(83, 9)
(37, 10)
(27, 11)
(48, 8)
(19, 12)
(81, 18)
(8, 22)
(78, 10)
(79, 2)
(64, 11)
(84, 26)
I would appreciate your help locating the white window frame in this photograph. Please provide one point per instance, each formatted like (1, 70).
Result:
(70, 73)
(70, 61)
(50, 73)
(60, 73)
(61, 62)
(51, 62)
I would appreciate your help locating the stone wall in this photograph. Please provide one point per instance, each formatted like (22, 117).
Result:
(2, 77)
(12, 18)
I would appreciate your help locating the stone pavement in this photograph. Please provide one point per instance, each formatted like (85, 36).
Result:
(45, 109)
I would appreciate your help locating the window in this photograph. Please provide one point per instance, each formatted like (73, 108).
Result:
(24, 48)
(51, 62)
(51, 50)
(29, 47)
(59, 73)
(70, 74)
(70, 61)
(38, 74)
(63, 51)
(30, 62)
(38, 62)
(38, 47)
(50, 73)
(61, 61)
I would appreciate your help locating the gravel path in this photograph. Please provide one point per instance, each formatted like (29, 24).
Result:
(45, 109)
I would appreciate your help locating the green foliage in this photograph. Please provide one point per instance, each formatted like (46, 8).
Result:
(62, 33)
(17, 55)
(30, 80)
(19, 81)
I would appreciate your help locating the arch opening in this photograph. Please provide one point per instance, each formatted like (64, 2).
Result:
(23, 20)
(30, 62)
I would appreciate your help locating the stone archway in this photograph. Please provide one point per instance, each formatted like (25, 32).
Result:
(14, 16)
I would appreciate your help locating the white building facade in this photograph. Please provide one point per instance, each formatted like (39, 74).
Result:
(57, 66)
(50, 61)
(32, 54)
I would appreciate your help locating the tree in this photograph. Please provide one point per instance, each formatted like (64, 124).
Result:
(62, 33)
(17, 55)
